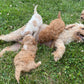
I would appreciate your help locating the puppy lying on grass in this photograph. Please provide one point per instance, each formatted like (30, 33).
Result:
(32, 27)
(24, 60)
(72, 32)
(52, 31)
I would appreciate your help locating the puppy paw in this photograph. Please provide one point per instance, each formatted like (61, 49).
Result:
(39, 62)
(56, 56)
(56, 59)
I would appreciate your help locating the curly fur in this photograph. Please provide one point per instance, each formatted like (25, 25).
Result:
(52, 31)
(72, 32)
(24, 60)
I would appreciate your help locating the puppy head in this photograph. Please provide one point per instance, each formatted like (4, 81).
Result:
(79, 33)
(82, 16)
(29, 40)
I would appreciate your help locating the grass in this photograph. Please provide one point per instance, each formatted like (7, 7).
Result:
(69, 69)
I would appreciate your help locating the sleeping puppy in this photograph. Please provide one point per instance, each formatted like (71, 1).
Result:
(24, 60)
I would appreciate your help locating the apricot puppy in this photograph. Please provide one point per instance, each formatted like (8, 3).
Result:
(24, 60)
(51, 32)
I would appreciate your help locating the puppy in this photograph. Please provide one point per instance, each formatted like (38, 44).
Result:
(31, 27)
(24, 60)
(49, 43)
(82, 16)
(51, 32)
(72, 32)
(14, 47)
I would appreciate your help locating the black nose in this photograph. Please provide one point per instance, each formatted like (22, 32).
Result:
(81, 17)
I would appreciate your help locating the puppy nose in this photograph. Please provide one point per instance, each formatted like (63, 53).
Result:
(81, 17)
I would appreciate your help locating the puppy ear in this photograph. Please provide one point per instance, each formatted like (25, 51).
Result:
(70, 26)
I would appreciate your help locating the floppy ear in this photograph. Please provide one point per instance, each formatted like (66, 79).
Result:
(34, 42)
(70, 26)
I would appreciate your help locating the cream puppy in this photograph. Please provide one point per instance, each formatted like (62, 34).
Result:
(31, 27)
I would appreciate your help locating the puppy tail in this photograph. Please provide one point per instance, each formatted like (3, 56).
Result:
(59, 15)
(17, 73)
(35, 9)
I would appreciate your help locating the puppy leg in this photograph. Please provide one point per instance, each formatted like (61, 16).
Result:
(60, 50)
(14, 47)
(13, 36)
(37, 64)
(18, 70)
(32, 65)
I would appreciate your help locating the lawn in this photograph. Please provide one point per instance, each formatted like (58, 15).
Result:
(69, 69)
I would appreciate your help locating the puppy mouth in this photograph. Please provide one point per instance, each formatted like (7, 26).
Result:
(80, 35)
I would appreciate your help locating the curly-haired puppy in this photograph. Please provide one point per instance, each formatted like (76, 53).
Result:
(82, 16)
(52, 31)
(24, 60)
(14, 47)
(72, 32)
(31, 27)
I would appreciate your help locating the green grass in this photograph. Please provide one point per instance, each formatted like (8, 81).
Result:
(69, 69)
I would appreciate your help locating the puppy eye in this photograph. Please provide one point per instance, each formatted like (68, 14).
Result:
(82, 28)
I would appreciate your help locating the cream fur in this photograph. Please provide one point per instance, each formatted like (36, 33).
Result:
(32, 27)
(68, 35)
(24, 60)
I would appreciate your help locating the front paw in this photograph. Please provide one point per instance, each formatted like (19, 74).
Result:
(56, 56)
(39, 62)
